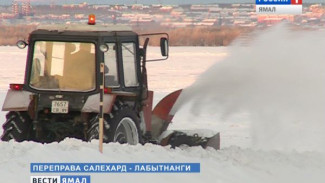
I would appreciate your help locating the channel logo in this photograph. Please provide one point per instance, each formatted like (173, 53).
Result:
(279, 2)
(279, 7)
(60, 179)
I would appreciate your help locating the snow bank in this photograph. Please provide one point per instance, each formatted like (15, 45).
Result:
(231, 164)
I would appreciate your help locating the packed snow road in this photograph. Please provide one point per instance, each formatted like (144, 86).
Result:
(237, 161)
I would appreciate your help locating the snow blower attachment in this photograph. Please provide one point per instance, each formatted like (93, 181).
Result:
(90, 82)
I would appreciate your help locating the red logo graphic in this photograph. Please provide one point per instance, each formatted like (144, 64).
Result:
(296, 2)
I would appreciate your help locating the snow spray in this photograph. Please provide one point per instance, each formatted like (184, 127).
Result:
(278, 80)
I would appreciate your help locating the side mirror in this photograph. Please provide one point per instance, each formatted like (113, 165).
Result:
(156, 39)
(164, 46)
(21, 44)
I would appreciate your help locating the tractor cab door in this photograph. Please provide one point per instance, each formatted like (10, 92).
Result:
(122, 65)
(129, 63)
(112, 79)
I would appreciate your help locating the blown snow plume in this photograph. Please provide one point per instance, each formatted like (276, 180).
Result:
(278, 81)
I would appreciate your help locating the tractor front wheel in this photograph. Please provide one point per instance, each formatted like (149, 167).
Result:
(122, 126)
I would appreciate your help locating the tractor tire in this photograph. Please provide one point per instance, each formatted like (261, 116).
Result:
(121, 125)
(124, 126)
(18, 127)
(93, 131)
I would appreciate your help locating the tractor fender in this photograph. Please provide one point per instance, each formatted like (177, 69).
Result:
(92, 103)
(161, 115)
(16, 101)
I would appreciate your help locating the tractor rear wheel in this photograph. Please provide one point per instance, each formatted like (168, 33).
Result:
(18, 126)
(122, 126)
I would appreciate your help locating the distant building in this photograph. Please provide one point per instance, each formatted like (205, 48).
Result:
(20, 10)
(15, 8)
(26, 8)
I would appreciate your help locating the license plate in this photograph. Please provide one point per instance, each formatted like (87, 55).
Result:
(60, 106)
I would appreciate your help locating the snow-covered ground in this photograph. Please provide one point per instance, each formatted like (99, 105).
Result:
(236, 162)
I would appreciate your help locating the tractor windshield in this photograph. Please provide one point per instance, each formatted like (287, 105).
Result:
(63, 66)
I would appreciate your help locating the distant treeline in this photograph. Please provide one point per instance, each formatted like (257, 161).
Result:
(187, 36)
(201, 36)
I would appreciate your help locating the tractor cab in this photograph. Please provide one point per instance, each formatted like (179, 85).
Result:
(69, 61)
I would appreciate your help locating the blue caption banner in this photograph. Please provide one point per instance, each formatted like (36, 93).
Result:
(273, 2)
(115, 168)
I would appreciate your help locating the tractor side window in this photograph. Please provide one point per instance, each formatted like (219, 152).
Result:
(129, 64)
(111, 70)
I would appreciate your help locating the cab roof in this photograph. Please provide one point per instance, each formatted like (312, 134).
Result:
(84, 27)
(84, 30)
